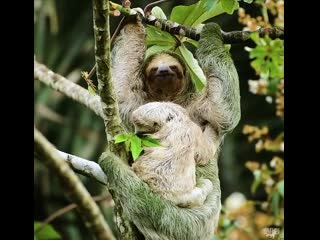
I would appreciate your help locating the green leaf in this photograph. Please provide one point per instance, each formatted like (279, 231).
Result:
(280, 188)
(122, 137)
(91, 90)
(275, 203)
(258, 51)
(257, 180)
(209, 4)
(156, 36)
(127, 145)
(46, 233)
(255, 37)
(273, 86)
(268, 58)
(194, 69)
(150, 142)
(135, 147)
(248, 1)
(158, 13)
(229, 228)
(229, 5)
(155, 49)
(193, 42)
(197, 13)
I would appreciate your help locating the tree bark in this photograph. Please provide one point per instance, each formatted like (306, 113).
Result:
(109, 103)
(70, 89)
(73, 186)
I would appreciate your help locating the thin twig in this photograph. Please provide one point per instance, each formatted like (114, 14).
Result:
(147, 9)
(115, 33)
(67, 209)
(87, 77)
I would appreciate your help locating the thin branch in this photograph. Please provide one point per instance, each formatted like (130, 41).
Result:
(70, 89)
(85, 167)
(92, 71)
(115, 33)
(243, 36)
(178, 29)
(147, 9)
(69, 208)
(73, 186)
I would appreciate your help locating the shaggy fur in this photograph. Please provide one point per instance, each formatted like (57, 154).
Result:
(216, 111)
(170, 169)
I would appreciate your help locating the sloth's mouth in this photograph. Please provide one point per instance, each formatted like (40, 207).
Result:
(142, 133)
(165, 76)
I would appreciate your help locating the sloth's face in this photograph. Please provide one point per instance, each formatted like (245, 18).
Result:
(145, 125)
(151, 117)
(148, 118)
(165, 77)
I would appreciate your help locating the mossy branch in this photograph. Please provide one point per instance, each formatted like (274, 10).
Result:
(73, 186)
(109, 102)
(110, 107)
(178, 29)
(68, 88)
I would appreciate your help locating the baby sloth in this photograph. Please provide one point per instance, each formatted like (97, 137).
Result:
(170, 169)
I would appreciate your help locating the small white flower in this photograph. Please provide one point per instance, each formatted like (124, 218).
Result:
(263, 82)
(253, 86)
(269, 182)
(235, 201)
(269, 99)
(273, 163)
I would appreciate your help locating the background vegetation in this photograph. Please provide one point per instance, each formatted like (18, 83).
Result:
(251, 165)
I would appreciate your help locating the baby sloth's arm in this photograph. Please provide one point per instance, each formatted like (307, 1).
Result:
(206, 145)
(196, 197)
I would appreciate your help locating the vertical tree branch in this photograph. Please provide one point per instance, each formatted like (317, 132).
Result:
(73, 186)
(109, 103)
(102, 56)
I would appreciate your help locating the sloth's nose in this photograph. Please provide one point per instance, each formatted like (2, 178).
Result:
(163, 69)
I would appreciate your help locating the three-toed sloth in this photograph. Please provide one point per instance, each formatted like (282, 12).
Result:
(170, 169)
(163, 77)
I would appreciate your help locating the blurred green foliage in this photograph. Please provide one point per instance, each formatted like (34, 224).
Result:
(63, 40)
(45, 232)
(262, 218)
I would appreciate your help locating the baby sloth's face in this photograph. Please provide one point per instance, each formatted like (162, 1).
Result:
(151, 117)
(146, 120)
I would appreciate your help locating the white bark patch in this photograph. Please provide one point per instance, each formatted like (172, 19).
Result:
(88, 167)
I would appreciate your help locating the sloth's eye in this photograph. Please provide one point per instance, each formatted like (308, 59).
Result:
(174, 68)
(153, 70)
